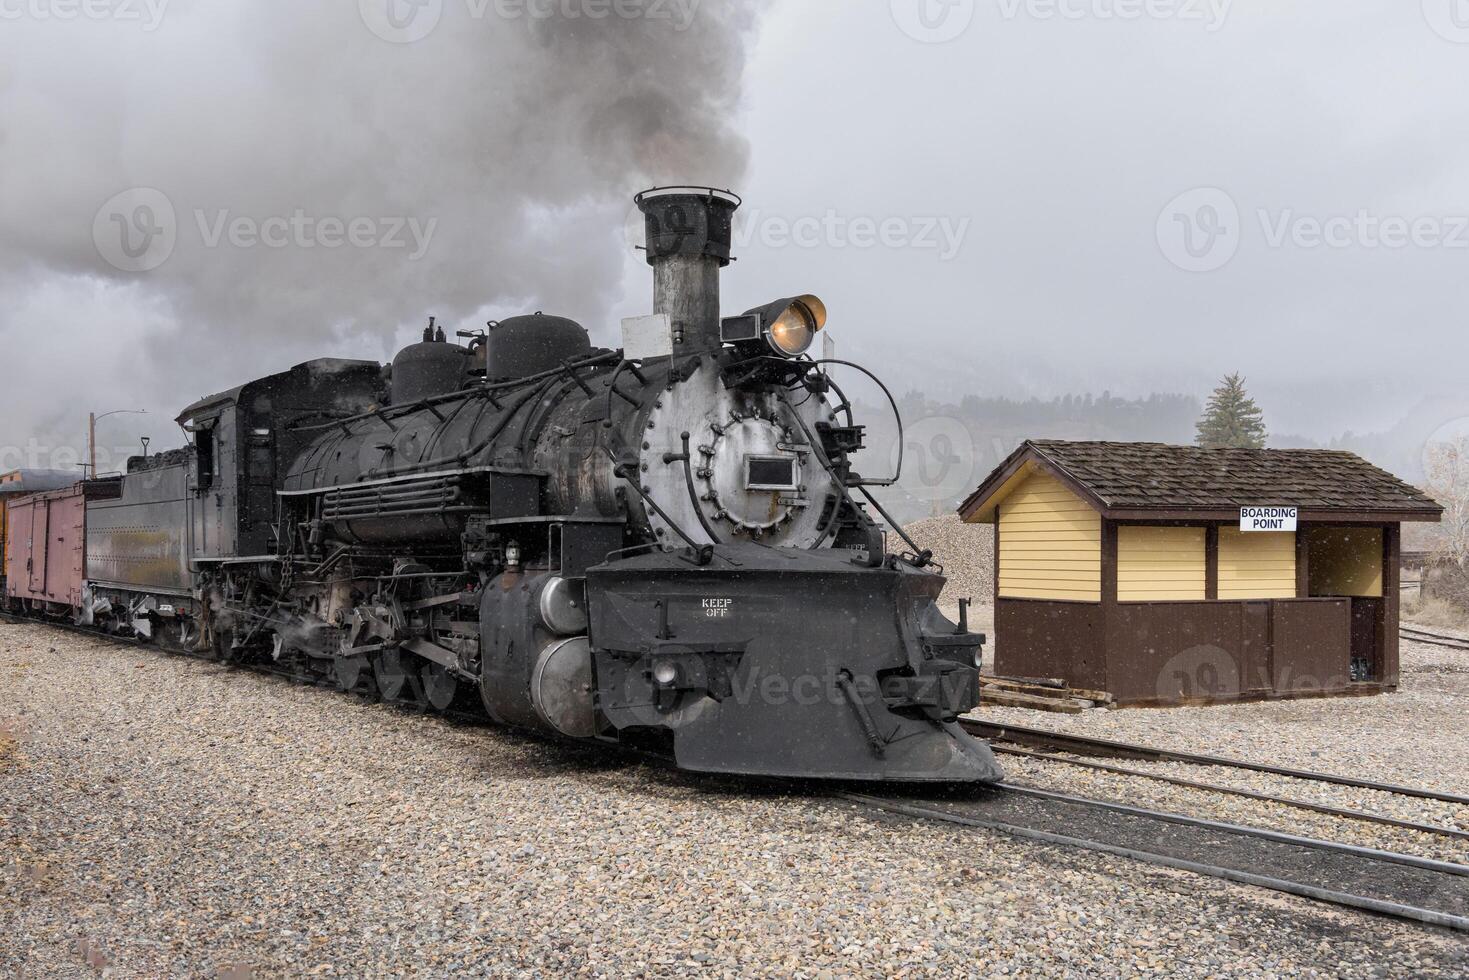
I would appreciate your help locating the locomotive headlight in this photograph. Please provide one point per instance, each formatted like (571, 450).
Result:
(793, 331)
(665, 672)
(790, 325)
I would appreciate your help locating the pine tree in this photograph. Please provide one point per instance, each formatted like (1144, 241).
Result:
(1232, 420)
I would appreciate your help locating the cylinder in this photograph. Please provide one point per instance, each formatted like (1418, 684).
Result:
(689, 233)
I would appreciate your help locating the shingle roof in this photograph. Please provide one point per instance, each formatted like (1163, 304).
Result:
(1154, 476)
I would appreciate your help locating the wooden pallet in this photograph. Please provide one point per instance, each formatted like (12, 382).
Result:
(1041, 694)
(1048, 690)
(1014, 699)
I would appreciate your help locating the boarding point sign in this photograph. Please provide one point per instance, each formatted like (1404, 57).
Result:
(1268, 518)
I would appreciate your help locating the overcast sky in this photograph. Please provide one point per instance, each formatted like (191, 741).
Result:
(1008, 197)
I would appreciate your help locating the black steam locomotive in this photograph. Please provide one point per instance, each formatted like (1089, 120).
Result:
(661, 545)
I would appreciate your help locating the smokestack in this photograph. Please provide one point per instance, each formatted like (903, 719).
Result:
(689, 232)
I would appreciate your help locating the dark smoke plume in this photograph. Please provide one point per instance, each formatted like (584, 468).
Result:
(488, 163)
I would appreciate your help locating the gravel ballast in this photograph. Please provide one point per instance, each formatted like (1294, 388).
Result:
(967, 552)
(1414, 737)
(167, 817)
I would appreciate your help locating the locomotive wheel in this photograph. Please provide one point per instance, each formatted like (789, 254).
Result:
(391, 676)
(350, 672)
(439, 686)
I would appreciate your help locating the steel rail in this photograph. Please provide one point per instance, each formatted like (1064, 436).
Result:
(1334, 811)
(1260, 833)
(1362, 902)
(1083, 744)
(1407, 628)
(1433, 639)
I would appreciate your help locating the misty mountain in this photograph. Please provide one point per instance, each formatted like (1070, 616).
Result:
(949, 448)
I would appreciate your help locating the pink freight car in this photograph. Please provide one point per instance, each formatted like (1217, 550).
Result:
(45, 551)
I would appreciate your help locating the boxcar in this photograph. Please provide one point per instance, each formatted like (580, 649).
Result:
(45, 549)
(16, 484)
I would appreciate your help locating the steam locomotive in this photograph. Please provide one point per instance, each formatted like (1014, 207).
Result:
(666, 545)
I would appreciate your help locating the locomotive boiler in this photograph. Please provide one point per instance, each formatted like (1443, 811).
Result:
(667, 545)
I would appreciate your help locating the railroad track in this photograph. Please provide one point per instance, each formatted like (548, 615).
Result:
(1397, 885)
(1433, 639)
(1088, 745)
(1382, 882)
(1335, 811)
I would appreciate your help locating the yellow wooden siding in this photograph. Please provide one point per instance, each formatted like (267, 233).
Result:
(1256, 565)
(1050, 543)
(1345, 561)
(1160, 563)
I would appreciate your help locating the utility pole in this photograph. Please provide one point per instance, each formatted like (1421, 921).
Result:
(92, 418)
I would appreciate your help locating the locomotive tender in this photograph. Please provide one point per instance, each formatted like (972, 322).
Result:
(661, 545)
